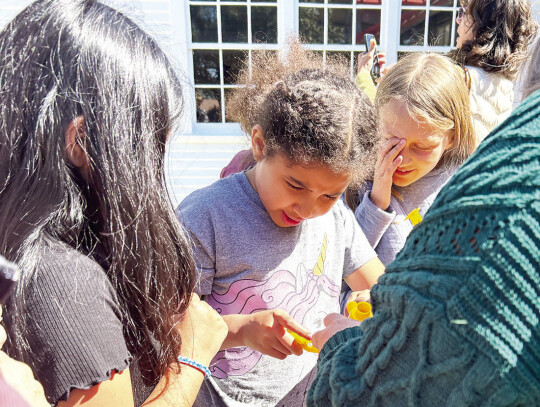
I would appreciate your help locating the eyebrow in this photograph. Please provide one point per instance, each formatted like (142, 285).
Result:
(300, 184)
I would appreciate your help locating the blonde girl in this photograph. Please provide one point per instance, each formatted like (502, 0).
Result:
(425, 123)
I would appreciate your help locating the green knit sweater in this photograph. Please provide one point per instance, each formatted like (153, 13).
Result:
(457, 314)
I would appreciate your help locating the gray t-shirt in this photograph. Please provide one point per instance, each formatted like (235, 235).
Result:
(387, 230)
(247, 263)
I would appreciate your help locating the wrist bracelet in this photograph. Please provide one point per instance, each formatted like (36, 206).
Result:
(195, 365)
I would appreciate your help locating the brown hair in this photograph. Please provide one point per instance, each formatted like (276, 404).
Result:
(309, 112)
(503, 30)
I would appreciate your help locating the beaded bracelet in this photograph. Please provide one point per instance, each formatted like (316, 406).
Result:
(196, 365)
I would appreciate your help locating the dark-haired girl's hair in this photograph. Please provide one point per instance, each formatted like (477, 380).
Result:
(63, 59)
(502, 31)
(311, 113)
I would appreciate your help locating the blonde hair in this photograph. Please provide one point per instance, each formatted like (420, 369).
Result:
(435, 91)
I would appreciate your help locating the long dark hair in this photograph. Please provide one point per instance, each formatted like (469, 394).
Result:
(63, 59)
(503, 29)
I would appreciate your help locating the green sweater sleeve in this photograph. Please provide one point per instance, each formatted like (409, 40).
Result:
(456, 315)
(364, 82)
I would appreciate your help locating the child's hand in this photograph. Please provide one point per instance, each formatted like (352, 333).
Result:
(265, 332)
(202, 330)
(357, 296)
(365, 59)
(333, 323)
(387, 163)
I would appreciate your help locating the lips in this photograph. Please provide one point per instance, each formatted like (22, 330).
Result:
(403, 172)
(289, 221)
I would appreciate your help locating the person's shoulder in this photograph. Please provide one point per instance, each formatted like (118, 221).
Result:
(61, 271)
(200, 207)
(214, 194)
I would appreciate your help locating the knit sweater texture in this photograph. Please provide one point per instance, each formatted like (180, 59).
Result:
(457, 315)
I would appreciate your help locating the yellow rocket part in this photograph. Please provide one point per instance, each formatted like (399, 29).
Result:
(414, 216)
(303, 342)
(359, 310)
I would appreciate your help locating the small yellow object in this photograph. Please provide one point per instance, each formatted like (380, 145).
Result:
(359, 310)
(414, 216)
(303, 342)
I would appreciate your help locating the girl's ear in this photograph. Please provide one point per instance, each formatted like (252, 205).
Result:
(257, 142)
(75, 142)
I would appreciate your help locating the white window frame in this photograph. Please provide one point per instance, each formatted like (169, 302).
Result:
(287, 21)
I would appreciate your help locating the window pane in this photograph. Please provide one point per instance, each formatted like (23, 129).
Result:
(368, 22)
(413, 2)
(412, 27)
(208, 105)
(264, 24)
(311, 22)
(312, 1)
(204, 23)
(232, 62)
(339, 26)
(228, 93)
(340, 2)
(206, 66)
(369, 2)
(440, 27)
(263, 1)
(234, 23)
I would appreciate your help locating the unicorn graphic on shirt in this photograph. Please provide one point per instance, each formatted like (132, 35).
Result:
(298, 295)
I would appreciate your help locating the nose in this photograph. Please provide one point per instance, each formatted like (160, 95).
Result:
(406, 157)
(304, 209)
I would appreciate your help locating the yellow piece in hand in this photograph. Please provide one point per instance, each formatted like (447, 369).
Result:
(359, 310)
(414, 216)
(303, 342)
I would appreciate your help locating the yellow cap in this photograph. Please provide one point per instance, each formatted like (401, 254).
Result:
(359, 310)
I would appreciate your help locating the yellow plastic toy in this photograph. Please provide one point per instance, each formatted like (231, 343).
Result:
(414, 217)
(359, 310)
(303, 342)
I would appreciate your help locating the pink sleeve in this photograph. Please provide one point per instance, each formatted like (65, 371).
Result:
(240, 162)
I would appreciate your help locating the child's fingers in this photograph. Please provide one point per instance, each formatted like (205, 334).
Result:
(286, 321)
(392, 151)
(359, 296)
(395, 164)
(276, 353)
(385, 149)
(288, 342)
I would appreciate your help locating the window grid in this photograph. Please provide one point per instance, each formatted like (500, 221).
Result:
(428, 8)
(288, 20)
(220, 46)
(354, 47)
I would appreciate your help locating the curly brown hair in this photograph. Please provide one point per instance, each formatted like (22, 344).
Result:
(503, 30)
(311, 113)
